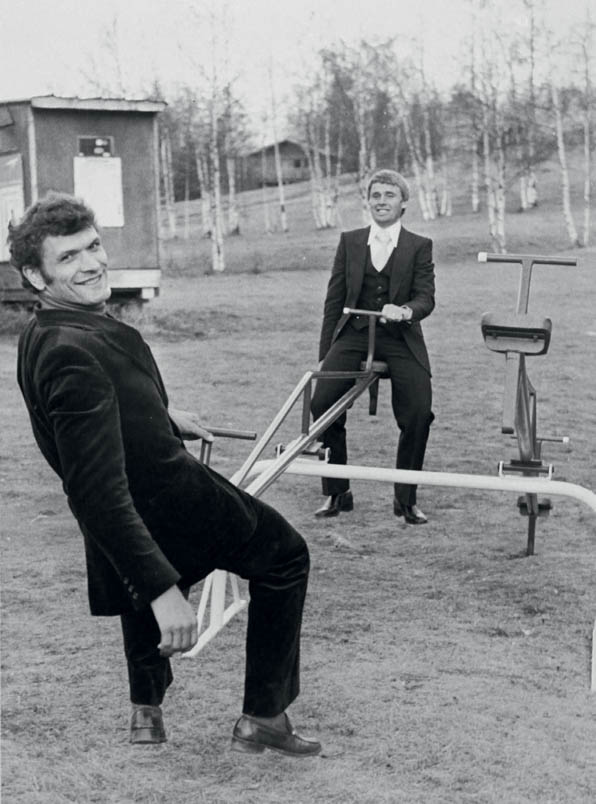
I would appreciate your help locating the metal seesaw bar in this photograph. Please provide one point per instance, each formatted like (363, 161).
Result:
(523, 485)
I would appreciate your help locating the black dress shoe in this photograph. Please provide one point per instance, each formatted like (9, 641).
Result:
(146, 726)
(411, 513)
(250, 736)
(336, 503)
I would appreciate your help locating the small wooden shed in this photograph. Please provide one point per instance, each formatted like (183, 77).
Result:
(102, 150)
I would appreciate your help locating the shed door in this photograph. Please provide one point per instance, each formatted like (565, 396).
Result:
(12, 200)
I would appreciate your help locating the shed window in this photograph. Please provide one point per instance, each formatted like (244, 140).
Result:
(96, 146)
(297, 163)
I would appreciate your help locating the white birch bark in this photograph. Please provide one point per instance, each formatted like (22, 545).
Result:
(587, 127)
(276, 156)
(217, 246)
(280, 188)
(446, 207)
(266, 218)
(330, 195)
(363, 170)
(203, 177)
(186, 205)
(587, 180)
(430, 179)
(488, 183)
(168, 182)
(565, 192)
(500, 194)
(418, 177)
(475, 188)
(233, 214)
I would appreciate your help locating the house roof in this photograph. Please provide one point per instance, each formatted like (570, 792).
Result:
(90, 104)
(268, 145)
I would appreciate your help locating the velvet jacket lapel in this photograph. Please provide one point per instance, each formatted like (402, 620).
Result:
(117, 335)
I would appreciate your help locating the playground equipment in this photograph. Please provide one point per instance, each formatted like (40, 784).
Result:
(517, 336)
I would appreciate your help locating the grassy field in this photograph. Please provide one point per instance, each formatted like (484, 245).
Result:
(439, 664)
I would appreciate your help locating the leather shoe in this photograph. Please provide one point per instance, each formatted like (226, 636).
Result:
(411, 513)
(336, 503)
(250, 736)
(146, 725)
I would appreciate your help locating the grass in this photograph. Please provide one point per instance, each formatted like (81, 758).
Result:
(438, 663)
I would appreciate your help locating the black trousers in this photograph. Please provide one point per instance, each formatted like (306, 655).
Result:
(275, 561)
(411, 400)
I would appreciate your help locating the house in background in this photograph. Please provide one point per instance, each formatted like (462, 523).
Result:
(258, 167)
(102, 150)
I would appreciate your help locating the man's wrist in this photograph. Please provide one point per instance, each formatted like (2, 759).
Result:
(408, 312)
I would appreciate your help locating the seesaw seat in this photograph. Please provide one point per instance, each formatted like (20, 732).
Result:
(515, 332)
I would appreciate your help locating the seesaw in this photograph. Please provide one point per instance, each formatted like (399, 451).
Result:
(516, 336)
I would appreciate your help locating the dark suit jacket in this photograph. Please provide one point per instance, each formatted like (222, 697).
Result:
(150, 513)
(412, 282)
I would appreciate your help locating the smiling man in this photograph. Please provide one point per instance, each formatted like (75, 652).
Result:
(154, 520)
(385, 268)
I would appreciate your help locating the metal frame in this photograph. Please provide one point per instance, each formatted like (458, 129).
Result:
(520, 401)
(261, 474)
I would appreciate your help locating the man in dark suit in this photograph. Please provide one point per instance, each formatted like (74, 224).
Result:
(154, 519)
(386, 268)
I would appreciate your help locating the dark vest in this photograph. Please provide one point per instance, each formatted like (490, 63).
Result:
(374, 293)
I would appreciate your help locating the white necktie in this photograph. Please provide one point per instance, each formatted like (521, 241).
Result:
(381, 248)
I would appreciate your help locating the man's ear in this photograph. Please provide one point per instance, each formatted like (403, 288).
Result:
(34, 277)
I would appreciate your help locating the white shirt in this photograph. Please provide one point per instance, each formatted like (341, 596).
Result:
(382, 241)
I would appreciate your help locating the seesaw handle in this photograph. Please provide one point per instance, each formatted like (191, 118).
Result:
(356, 311)
(223, 432)
(484, 256)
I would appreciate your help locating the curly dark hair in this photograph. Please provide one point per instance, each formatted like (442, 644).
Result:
(56, 214)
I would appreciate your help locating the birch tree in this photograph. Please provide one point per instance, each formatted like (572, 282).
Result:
(283, 217)
(562, 153)
(586, 50)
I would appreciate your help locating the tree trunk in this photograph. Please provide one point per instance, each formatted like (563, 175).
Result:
(587, 182)
(587, 126)
(490, 196)
(315, 188)
(475, 180)
(233, 214)
(569, 222)
(445, 208)
(278, 169)
(338, 168)
(422, 199)
(217, 247)
(363, 171)
(431, 189)
(267, 221)
(202, 175)
(280, 187)
(500, 194)
(330, 195)
(168, 182)
(523, 192)
(186, 205)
